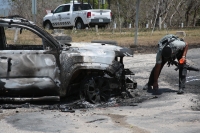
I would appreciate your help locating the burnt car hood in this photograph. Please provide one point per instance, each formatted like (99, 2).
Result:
(96, 47)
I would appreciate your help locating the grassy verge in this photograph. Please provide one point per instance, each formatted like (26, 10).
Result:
(126, 36)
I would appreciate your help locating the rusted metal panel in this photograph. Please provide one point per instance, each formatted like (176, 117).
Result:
(30, 71)
(27, 64)
(28, 87)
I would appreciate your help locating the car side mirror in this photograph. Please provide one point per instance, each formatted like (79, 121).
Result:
(52, 11)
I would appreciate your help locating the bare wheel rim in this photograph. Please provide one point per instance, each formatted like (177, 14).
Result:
(97, 89)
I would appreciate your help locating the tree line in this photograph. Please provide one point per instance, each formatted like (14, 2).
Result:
(152, 13)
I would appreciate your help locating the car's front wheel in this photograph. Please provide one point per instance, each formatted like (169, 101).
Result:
(48, 26)
(95, 89)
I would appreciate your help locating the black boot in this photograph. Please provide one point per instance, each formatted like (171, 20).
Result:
(180, 91)
(147, 87)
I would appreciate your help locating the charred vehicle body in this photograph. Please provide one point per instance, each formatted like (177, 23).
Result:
(42, 68)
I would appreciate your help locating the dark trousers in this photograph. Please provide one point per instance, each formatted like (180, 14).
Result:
(182, 76)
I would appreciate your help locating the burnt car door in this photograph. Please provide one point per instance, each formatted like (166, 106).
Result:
(28, 66)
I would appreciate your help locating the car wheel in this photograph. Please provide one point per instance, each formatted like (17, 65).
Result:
(104, 42)
(48, 26)
(95, 90)
(79, 24)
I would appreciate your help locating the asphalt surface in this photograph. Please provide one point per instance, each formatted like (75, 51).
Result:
(144, 113)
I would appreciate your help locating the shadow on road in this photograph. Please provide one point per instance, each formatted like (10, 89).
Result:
(160, 91)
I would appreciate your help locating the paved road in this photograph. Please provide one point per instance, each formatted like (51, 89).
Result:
(165, 113)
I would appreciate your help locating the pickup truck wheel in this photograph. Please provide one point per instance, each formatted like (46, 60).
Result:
(95, 89)
(48, 26)
(79, 24)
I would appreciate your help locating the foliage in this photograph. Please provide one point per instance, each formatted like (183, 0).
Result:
(171, 12)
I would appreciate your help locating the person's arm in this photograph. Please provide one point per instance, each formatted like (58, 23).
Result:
(156, 75)
(183, 58)
(185, 50)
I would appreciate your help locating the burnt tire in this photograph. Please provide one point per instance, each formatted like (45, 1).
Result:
(63, 39)
(79, 24)
(105, 42)
(95, 89)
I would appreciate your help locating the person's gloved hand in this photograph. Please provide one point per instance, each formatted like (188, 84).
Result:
(182, 60)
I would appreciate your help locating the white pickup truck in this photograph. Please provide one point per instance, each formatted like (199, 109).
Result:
(76, 14)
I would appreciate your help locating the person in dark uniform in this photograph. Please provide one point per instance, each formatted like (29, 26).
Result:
(170, 47)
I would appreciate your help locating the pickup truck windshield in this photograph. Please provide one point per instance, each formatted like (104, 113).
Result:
(78, 7)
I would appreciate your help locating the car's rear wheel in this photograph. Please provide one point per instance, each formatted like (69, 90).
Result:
(95, 89)
(79, 24)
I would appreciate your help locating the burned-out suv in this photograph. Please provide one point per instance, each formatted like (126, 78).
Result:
(36, 66)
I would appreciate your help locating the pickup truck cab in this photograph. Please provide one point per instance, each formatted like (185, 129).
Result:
(35, 66)
(76, 14)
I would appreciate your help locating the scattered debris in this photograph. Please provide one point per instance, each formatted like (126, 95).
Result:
(67, 109)
(95, 120)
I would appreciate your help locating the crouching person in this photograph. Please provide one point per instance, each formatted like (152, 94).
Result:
(170, 47)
